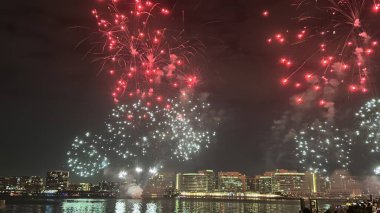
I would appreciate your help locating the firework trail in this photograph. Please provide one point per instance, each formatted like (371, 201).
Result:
(88, 155)
(321, 147)
(336, 40)
(368, 118)
(147, 61)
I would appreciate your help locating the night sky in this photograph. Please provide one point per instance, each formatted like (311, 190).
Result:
(51, 90)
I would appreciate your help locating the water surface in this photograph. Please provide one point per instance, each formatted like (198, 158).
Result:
(151, 206)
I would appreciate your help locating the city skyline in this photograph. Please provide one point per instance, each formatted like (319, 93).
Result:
(270, 184)
(52, 89)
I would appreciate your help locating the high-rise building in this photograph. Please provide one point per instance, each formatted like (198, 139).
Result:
(288, 182)
(231, 182)
(203, 181)
(57, 180)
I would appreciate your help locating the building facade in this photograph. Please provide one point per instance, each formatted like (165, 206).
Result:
(22, 183)
(251, 184)
(264, 184)
(57, 180)
(203, 181)
(288, 182)
(231, 182)
(83, 187)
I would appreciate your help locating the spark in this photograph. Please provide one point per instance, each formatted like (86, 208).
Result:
(377, 170)
(178, 131)
(139, 170)
(265, 13)
(143, 57)
(123, 174)
(88, 155)
(320, 145)
(153, 171)
(341, 40)
(368, 118)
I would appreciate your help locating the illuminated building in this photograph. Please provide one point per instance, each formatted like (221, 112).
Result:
(251, 184)
(74, 187)
(34, 184)
(203, 181)
(289, 182)
(316, 184)
(84, 187)
(231, 182)
(57, 180)
(211, 178)
(8, 183)
(264, 184)
(22, 183)
(310, 185)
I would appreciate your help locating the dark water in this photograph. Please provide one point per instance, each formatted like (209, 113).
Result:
(152, 206)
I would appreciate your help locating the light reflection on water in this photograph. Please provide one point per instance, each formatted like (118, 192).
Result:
(152, 206)
(120, 207)
(83, 205)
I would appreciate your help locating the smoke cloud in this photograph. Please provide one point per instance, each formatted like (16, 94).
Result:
(132, 191)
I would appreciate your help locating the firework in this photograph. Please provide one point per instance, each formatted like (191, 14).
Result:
(336, 40)
(87, 155)
(146, 60)
(135, 131)
(150, 135)
(123, 174)
(368, 117)
(377, 170)
(150, 65)
(322, 146)
(190, 129)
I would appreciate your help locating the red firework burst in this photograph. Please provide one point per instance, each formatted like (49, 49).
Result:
(337, 33)
(147, 61)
